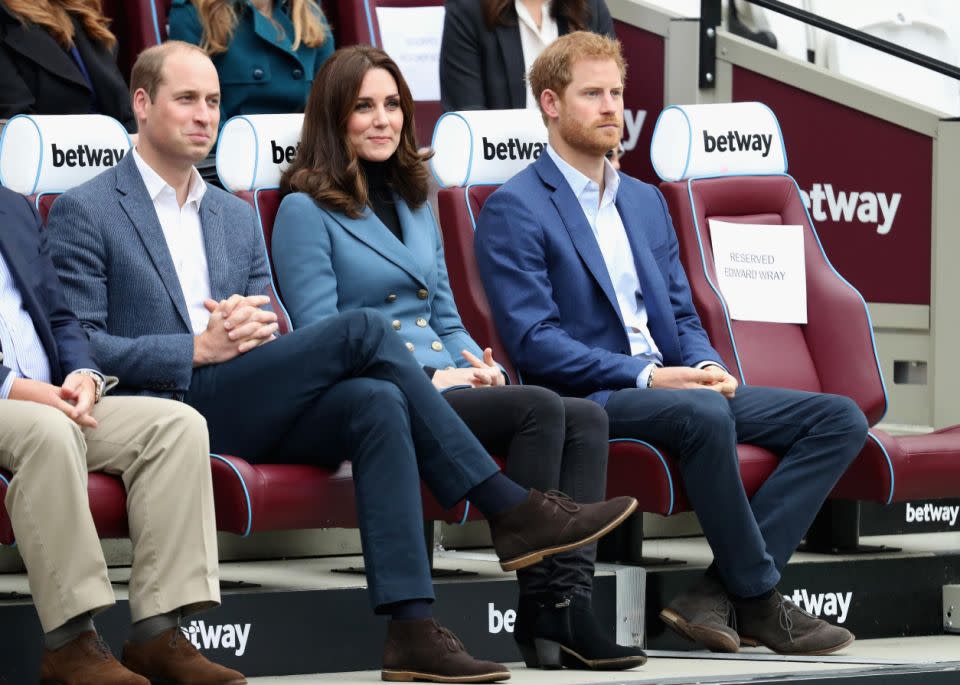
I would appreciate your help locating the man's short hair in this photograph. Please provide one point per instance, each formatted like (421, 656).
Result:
(147, 71)
(553, 69)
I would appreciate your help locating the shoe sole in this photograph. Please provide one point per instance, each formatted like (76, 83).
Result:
(411, 676)
(713, 640)
(753, 642)
(532, 558)
(165, 681)
(618, 664)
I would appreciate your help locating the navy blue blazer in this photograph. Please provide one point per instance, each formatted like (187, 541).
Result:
(23, 243)
(551, 295)
(328, 263)
(118, 275)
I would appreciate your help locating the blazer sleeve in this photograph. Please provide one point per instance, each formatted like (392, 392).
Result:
(511, 255)
(15, 95)
(303, 260)
(155, 362)
(461, 61)
(444, 317)
(602, 21)
(695, 345)
(183, 23)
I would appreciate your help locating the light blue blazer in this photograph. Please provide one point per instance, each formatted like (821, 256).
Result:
(327, 263)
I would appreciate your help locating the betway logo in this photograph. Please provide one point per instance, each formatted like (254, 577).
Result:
(84, 155)
(497, 620)
(863, 206)
(929, 513)
(229, 636)
(738, 141)
(823, 603)
(281, 154)
(512, 149)
(632, 125)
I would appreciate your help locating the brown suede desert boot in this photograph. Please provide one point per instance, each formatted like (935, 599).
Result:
(703, 614)
(423, 650)
(551, 523)
(85, 660)
(171, 659)
(785, 628)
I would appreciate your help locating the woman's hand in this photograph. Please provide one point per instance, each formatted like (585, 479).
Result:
(447, 378)
(487, 366)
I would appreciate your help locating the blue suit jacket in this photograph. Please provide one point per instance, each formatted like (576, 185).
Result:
(259, 73)
(23, 243)
(327, 263)
(551, 295)
(119, 278)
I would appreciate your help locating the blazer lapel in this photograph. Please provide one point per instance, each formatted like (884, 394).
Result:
(574, 220)
(512, 51)
(215, 244)
(15, 262)
(652, 284)
(370, 230)
(37, 45)
(139, 208)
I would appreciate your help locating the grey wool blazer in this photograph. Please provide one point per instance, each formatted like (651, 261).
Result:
(119, 279)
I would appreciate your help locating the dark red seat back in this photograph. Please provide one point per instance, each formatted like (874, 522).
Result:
(833, 352)
(138, 24)
(265, 203)
(458, 209)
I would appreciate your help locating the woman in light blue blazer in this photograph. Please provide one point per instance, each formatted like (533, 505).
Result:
(354, 230)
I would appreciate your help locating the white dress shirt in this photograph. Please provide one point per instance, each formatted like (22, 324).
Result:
(184, 234)
(535, 39)
(23, 352)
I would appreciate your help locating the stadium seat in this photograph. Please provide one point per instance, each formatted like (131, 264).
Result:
(834, 351)
(138, 24)
(635, 468)
(358, 23)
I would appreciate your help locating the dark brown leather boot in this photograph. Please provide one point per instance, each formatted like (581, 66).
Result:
(550, 523)
(85, 660)
(422, 649)
(785, 628)
(704, 615)
(171, 659)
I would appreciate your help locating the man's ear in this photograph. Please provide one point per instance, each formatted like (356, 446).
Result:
(550, 104)
(140, 101)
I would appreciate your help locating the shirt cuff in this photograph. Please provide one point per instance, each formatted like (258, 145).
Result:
(644, 376)
(7, 385)
(710, 362)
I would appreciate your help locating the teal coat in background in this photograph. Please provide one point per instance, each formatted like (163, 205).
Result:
(327, 263)
(260, 73)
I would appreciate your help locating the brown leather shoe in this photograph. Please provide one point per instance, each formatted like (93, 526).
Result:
(85, 660)
(422, 649)
(551, 523)
(704, 615)
(171, 659)
(785, 628)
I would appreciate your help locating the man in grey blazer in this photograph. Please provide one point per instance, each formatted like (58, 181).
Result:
(168, 276)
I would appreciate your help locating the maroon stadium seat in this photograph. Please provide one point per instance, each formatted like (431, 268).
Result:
(138, 24)
(833, 352)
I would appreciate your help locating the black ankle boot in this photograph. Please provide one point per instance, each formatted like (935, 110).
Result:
(557, 632)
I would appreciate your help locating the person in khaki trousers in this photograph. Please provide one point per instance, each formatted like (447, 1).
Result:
(54, 428)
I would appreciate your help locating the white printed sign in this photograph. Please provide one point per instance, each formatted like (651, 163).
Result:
(761, 271)
(411, 36)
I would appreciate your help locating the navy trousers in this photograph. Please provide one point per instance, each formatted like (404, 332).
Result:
(346, 388)
(818, 435)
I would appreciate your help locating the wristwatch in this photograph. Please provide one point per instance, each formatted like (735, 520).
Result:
(650, 378)
(97, 381)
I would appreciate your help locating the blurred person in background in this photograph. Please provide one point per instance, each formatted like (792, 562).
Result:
(58, 57)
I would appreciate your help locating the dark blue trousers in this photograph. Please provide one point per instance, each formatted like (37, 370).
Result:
(346, 388)
(818, 435)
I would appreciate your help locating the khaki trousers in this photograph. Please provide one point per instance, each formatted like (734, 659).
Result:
(160, 449)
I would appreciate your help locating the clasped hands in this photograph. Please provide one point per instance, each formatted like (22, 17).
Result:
(481, 372)
(75, 397)
(236, 326)
(688, 378)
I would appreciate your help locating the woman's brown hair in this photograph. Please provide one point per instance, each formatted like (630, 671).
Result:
(576, 13)
(54, 16)
(326, 166)
(219, 20)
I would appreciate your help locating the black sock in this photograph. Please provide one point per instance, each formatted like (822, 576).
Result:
(411, 609)
(58, 637)
(148, 628)
(758, 598)
(496, 494)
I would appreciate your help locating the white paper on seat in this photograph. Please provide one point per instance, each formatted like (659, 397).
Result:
(761, 271)
(411, 36)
